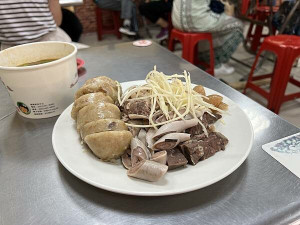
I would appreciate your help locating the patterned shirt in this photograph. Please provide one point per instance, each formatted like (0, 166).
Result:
(24, 21)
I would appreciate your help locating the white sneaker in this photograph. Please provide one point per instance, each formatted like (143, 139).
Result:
(126, 30)
(229, 69)
(223, 70)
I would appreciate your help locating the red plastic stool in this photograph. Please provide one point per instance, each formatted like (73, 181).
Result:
(189, 47)
(101, 29)
(287, 49)
(262, 13)
(255, 32)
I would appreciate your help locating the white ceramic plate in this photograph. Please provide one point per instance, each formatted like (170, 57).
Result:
(112, 177)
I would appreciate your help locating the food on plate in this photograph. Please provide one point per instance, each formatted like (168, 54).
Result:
(203, 147)
(162, 125)
(98, 118)
(102, 79)
(149, 137)
(109, 144)
(175, 127)
(215, 100)
(138, 152)
(95, 112)
(142, 136)
(89, 99)
(172, 124)
(175, 159)
(99, 84)
(223, 106)
(126, 159)
(148, 170)
(102, 125)
(170, 141)
(160, 157)
(200, 90)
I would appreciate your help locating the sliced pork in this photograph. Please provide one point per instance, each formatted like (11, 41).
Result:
(170, 141)
(126, 159)
(148, 170)
(139, 151)
(175, 127)
(160, 157)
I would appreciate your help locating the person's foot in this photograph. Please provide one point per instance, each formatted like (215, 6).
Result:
(126, 30)
(163, 34)
(229, 68)
(224, 69)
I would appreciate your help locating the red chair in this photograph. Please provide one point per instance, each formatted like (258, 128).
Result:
(114, 29)
(189, 47)
(244, 7)
(255, 33)
(287, 50)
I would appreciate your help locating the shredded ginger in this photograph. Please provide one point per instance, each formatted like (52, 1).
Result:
(170, 94)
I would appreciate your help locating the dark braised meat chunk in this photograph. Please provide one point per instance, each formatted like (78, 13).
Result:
(207, 120)
(138, 107)
(175, 159)
(201, 147)
(192, 151)
(196, 130)
(212, 144)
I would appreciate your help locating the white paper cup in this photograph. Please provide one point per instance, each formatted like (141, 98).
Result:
(43, 90)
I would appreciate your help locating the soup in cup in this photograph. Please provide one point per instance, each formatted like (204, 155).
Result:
(41, 77)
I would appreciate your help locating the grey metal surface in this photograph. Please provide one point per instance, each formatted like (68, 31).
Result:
(7, 107)
(36, 189)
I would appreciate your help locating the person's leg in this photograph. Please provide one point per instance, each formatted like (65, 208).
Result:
(149, 10)
(126, 9)
(162, 22)
(223, 52)
(156, 12)
(71, 25)
(109, 4)
(128, 13)
(57, 35)
(134, 20)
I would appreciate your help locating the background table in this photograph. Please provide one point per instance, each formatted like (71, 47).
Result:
(36, 189)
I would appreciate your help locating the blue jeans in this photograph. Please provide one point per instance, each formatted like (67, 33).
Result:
(127, 8)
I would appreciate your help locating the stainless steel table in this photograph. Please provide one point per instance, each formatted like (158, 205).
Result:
(36, 189)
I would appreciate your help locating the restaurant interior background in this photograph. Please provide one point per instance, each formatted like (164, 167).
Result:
(289, 110)
(54, 172)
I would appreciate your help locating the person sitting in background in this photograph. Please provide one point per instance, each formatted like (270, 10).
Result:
(157, 12)
(227, 31)
(279, 18)
(30, 21)
(128, 14)
(71, 24)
